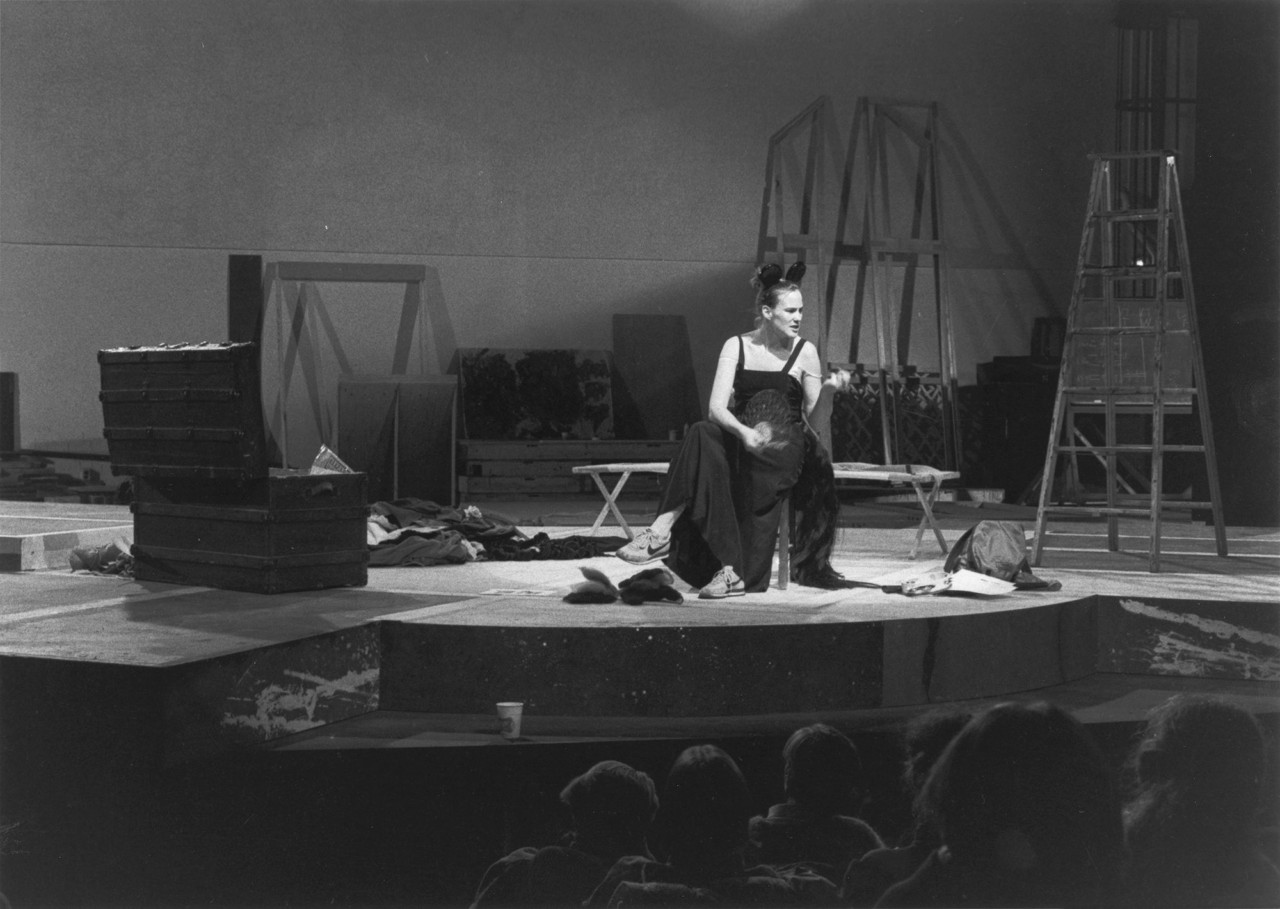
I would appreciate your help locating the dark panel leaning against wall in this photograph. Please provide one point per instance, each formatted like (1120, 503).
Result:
(1233, 227)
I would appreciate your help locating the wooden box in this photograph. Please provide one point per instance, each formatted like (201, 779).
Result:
(191, 410)
(185, 421)
(287, 531)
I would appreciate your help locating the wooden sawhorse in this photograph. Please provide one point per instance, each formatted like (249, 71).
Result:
(611, 496)
(915, 475)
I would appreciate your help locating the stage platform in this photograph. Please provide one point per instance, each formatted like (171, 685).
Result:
(166, 745)
(429, 650)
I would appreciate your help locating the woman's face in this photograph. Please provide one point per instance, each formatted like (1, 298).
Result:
(785, 317)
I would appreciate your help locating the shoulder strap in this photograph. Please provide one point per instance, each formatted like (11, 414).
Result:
(791, 361)
(742, 353)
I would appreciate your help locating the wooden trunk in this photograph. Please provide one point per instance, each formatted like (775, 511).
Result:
(190, 410)
(288, 531)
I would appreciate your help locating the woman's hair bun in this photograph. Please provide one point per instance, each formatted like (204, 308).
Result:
(766, 276)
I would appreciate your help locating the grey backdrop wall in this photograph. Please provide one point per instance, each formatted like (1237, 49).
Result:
(557, 162)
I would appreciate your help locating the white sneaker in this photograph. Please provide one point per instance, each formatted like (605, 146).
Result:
(726, 583)
(645, 548)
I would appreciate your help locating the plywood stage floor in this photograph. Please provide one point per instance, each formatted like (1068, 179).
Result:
(56, 613)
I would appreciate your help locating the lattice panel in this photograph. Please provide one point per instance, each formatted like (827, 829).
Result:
(856, 432)
(921, 430)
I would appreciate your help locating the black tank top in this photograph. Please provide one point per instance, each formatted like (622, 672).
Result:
(749, 383)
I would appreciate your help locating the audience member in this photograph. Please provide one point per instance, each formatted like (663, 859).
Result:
(923, 741)
(611, 807)
(701, 832)
(823, 782)
(1027, 816)
(1192, 826)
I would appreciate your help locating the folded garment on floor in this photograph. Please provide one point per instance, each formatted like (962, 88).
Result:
(113, 558)
(540, 546)
(421, 532)
(470, 520)
(652, 585)
(448, 547)
(597, 588)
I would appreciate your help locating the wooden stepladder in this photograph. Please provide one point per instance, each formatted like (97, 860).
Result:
(1131, 357)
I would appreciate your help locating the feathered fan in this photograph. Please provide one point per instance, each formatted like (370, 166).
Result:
(769, 413)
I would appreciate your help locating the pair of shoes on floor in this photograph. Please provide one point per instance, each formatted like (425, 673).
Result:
(726, 583)
(645, 548)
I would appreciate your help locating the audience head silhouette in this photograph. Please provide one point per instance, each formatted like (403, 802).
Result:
(705, 808)
(1192, 824)
(1199, 763)
(1025, 806)
(924, 740)
(822, 770)
(612, 801)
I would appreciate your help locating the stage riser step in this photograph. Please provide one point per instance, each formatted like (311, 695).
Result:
(1156, 636)
(41, 551)
(718, 671)
(264, 694)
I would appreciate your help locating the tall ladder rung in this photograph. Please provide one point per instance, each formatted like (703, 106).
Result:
(1136, 214)
(1143, 272)
(1086, 391)
(1117, 330)
(1129, 511)
(1131, 449)
(1169, 299)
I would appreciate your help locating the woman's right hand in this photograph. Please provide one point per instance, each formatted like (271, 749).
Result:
(752, 439)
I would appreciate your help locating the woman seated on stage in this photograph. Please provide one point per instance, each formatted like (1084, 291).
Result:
(718, 518)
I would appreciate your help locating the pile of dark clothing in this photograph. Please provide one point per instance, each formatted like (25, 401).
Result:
(653, 585)
(422, 532)
(113, 558)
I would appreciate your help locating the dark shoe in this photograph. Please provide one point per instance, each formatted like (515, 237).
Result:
(645, 548)
(827, 579)
(726, 583)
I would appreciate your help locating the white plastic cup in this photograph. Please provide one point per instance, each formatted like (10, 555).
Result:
(509, 715)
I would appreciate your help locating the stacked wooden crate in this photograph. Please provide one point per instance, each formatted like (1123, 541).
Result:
(185, 421)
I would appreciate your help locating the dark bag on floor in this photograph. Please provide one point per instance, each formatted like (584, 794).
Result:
(998, 549)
